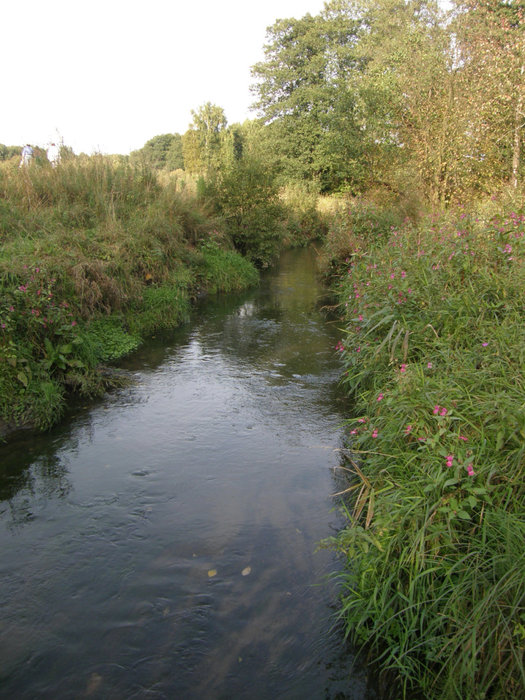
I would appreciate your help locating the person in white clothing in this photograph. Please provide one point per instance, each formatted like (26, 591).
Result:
(27, 155)
(53, 155)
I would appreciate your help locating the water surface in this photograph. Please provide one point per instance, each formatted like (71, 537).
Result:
(162, 543)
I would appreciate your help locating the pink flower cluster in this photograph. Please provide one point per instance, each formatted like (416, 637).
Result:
(439, 410)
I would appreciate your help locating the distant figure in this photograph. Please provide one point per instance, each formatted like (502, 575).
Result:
(53, 155)
(27, 155)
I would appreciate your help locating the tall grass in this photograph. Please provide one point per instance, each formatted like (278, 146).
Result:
(433, 348)
(95, 256)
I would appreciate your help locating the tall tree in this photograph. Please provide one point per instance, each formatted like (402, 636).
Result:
(412, 121)
(303, 95)
(491, 42)
(174, 157)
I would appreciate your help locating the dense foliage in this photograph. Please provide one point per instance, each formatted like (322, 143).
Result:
(94, 257)
(434, 357)
(397, 94)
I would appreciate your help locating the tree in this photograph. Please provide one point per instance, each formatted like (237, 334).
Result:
(174, 157)
(208, 124)
(246, 196)
(162, 151)
(491, 44)
(191, 152)
(304, 98)
(412, 119)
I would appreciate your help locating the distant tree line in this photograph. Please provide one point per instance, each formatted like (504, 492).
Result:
(7, 152)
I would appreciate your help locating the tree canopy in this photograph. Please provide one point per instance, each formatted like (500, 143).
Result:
(396, 94)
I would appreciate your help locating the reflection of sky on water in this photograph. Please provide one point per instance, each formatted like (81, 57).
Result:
(218, 458)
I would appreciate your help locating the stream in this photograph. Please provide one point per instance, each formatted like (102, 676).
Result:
(162, 542)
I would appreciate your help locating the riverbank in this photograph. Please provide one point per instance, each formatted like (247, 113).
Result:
(433, 357)
(96, 257)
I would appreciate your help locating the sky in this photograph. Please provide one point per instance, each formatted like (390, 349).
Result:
(107, 75)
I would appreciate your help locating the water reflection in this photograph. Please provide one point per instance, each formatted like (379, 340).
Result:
(162, 542)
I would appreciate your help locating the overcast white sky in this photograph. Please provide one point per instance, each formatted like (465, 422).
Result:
(111, 74)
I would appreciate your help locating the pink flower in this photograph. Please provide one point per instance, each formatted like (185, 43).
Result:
(484, 344)
(403, 368)
(462, 437)
(374, 433)
(436, 410)
(429, 365)
(403, 274)
(73, 323)
(408, 429)
(470, 470)
(450, 459)
(380, 397)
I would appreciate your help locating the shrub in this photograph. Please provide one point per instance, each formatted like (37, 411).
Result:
(303, 221)
(221, 270)
(247, 198)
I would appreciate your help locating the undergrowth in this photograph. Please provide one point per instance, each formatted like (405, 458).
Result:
(433, 349)
(95, 257)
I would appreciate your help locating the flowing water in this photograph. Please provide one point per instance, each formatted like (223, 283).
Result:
(162, 543)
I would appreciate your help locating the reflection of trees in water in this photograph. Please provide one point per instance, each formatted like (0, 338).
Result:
(24, 482)
(279, 325)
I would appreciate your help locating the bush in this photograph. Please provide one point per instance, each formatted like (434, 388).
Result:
(246, 197)
(354, 222)
(221, 270)
(303, 222)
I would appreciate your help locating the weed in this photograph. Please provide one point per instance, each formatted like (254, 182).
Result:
(433, 354)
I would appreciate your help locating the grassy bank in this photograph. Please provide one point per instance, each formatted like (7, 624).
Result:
(95, 257)
(433, 348)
